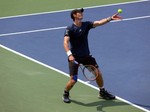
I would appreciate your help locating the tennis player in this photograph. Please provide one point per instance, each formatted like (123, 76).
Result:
(77, 49)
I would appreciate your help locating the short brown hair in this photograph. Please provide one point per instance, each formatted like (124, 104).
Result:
(75, 11)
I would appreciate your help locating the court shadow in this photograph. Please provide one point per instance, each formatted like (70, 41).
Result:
(100, 104)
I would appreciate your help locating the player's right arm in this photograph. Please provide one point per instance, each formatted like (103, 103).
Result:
(67, 49)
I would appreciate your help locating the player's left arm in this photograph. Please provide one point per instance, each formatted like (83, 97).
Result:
(106, 20)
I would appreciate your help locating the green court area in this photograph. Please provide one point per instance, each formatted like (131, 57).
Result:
(26, 86)
(19, 7)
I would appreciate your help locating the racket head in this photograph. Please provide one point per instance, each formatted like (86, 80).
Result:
(90, 72)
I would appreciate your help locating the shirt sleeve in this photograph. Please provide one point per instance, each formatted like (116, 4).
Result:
(90, 24)
(67, 32)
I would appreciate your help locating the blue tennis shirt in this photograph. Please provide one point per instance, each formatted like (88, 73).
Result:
(79, 38)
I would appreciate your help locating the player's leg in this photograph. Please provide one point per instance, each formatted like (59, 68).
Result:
(103, 93)
(73, 68)
(71, 82)
(99, 79)
(91, 61)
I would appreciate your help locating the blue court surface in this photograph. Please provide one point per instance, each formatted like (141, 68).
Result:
(121, 48)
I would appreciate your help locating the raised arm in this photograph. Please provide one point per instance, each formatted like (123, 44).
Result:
(106, 20)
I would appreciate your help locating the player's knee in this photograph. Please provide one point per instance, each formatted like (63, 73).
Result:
(75, 78)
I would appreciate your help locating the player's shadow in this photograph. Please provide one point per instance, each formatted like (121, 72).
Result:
(100, 104)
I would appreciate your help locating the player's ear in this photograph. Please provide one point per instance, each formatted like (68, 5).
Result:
(74, 15)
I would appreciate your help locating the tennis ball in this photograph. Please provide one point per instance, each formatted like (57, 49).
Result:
(119, 10)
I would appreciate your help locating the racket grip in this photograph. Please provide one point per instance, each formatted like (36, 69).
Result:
(76, 62)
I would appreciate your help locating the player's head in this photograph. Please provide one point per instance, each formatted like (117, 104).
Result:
(77, 13)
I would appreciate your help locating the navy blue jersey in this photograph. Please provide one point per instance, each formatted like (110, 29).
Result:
(79, 38)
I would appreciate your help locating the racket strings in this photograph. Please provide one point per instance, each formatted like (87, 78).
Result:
(90, 72)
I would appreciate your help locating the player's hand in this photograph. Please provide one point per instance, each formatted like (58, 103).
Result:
(116, 17)
(71, 58)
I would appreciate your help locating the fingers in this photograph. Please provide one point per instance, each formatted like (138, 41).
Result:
(71, 58)
(116, 17)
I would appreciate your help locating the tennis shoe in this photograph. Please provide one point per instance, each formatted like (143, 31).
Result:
(105, 95)
(66, 98)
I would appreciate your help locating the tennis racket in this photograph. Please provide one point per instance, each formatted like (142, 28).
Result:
(89, 71)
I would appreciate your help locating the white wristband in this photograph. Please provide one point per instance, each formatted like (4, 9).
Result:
(69, 53)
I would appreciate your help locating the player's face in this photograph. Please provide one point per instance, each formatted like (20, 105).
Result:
(79, 16)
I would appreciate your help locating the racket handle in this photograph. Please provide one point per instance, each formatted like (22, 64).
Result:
(76, 62)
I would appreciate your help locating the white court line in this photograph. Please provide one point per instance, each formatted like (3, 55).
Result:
(61, 72)
(129, 19)
(32, 31)
(33, 14)
(63, 27)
